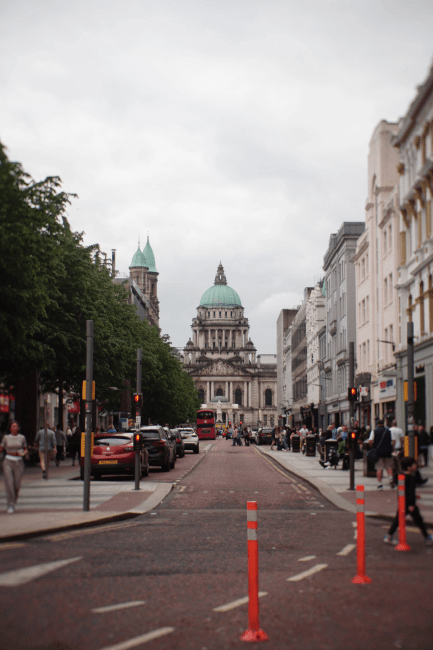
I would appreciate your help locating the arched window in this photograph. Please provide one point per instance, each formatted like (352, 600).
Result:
(219, 392)
(201, 395)
(268, 397)
(238, 396)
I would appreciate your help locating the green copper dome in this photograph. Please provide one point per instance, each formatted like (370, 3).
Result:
(139, 259)
(150, 257)
(220, 295)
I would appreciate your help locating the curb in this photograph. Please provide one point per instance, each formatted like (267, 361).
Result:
(330, 494)
(148, 504)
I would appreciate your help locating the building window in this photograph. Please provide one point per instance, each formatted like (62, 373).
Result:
(421, 308)
(226, 314)
(208, 313)
(201, 395)
(220, 314)
(238, 396)
(385, 291)
(268, 397)
(214, 314)
(220, 392)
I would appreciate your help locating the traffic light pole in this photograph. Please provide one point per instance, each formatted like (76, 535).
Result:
(351, 383)
(138, 420)
(88, 436)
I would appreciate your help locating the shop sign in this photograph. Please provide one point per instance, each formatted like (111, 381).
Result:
(387, 388)
(4, 403)
(74, 407)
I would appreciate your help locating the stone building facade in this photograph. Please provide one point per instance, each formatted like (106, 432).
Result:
(222, 359)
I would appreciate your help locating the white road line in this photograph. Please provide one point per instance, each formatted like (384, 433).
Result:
(307, 558)
(138, 640)
(22, 576)
(113, 608)
(346, 550)
(237, 603)
(306, 574)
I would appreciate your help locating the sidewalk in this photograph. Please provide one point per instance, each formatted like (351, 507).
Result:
(46, 506)
(334, 485)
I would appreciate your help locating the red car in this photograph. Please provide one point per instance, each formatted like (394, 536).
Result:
(113, 453)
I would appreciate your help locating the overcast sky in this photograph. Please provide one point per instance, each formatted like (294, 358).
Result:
(233, 130)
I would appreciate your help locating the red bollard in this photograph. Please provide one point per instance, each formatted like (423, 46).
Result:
(360, 578)
(402, 543)
(253, 633)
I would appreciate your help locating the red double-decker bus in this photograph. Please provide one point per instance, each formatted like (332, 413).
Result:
(206, 424)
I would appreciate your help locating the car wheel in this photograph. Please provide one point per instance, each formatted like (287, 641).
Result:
(173, 463)
(97, 476)
(166, 466)
(196, 449)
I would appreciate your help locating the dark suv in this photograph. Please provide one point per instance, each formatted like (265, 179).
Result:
(265, 436)
(161, 450)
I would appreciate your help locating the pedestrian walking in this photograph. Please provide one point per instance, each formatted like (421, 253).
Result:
(239, 436)
(234, 437)
(380, 440)
(284, 439)
(14, 446)
(74, 444)
(51, 446)
(62, 443)
(409, 468)
(423, 444)
(246, 437)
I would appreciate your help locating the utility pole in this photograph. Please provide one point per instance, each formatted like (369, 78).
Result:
(351, 383)
(88, 437)
(410, 391)
(138, 418)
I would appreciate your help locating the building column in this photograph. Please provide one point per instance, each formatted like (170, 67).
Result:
(212, 389)
(227, 390)
(245, 394)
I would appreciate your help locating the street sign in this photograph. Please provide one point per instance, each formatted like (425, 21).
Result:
(138, 421)
(363, 391)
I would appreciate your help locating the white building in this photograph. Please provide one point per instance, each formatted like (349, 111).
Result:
(284, 366)
(315, 320)
(414, 141)
(376, 273)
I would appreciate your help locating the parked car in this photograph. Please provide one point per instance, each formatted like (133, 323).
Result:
(161, 450)
(254, 436)
(190, 439)
(180, 447)
(113, 453)
(265, 436)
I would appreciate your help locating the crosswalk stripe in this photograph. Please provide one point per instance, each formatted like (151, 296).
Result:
(20, 577)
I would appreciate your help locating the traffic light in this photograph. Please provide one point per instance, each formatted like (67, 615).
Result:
(352, 394)
(352, 439)
(138, 441)
(137, 398)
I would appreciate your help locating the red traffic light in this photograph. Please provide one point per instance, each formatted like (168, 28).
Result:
(352, 394)
(137, 398)
(353, 435)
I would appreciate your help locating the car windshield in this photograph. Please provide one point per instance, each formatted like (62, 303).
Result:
(112, 442)
(151, 434)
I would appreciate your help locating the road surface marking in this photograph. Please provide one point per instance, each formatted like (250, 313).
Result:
(112, 608)
(22, 576)
(207, 447)
(182, 488)
(305, 574)
(346, 550)
(138, 640)
(307, 558)
(237, 603)
(273, 466)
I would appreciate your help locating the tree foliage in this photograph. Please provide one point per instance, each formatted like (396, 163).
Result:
(51, 284)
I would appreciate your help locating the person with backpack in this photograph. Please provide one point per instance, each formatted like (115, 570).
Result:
(381, 445)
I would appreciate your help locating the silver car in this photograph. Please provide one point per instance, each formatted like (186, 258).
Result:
(190, 439)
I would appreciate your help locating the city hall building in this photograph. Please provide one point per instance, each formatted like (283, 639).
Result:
(230, 378)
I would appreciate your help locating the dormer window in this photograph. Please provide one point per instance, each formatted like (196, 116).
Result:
(220, 314)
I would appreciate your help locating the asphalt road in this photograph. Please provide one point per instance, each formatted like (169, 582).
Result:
(166, 572)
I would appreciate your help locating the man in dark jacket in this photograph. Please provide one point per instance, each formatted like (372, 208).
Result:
(381, 440)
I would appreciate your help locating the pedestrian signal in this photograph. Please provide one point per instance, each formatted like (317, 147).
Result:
(352, 394)
(138, 441)
(138, 400)
(352, 439)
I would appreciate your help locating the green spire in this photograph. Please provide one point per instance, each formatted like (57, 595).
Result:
(150, 257)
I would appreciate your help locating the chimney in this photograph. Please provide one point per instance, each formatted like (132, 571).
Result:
(113, 262)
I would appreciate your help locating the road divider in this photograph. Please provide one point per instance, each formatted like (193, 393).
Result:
(360, 578)
(253, 633)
